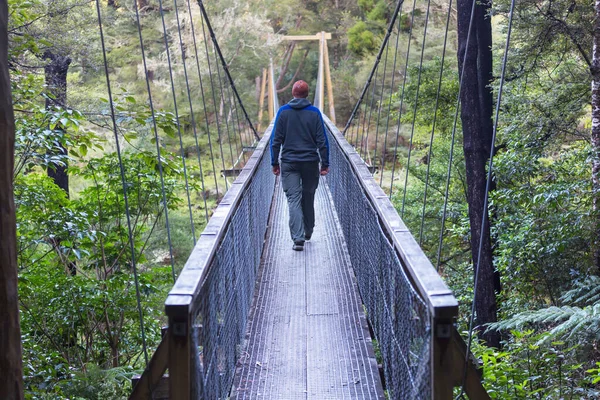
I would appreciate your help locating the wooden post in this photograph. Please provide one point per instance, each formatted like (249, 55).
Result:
(328, 81)
(442, 375)
(261, 99)
(271, 89)
(321, 81)
(11, 377)
(179, 340)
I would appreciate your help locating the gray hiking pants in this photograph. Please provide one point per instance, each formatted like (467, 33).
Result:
(300, 181)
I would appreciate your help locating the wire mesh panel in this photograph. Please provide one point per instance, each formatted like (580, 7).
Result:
(399, 317)
(220, 310)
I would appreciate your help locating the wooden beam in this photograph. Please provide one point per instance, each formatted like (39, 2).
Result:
(328, 82)
(144, 386)
(308, 37)
(261, 99)
(11, 377)
(179, 349)
(473, 385)
(271, 89)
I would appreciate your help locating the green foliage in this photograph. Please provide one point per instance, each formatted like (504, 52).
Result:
(360, 39)
(526, 369)
(580, 318)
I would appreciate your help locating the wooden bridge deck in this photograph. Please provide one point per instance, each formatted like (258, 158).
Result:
(307, 335)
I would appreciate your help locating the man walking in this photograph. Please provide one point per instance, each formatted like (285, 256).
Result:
(299, 135)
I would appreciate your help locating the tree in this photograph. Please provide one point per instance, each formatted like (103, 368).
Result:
(476, 116)
(11, 378)
(595, 70)
(56, 82)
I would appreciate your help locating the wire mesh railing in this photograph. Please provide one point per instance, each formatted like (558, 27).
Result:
(399, 317)
(209, 304)
(409, 308)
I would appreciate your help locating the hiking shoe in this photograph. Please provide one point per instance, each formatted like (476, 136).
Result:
(298, 245)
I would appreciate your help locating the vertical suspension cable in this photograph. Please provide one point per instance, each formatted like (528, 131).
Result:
(394, 161)
(387, 121)
(124, 185)
(237, 133)
(364, 123)
(158, 152)
(212, 86)
(487, 193)
(383, 45)
(453, 139)
(437, 102)
(412, 129)
(232, 114)
(367, 152)
(237, 116)
(193, 118)
(225, 115)
(226, 68)
(210, 146)
(187, 186)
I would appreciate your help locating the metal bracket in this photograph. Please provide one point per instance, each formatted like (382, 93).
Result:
(180, 329)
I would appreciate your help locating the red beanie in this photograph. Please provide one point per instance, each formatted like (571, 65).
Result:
(300, 89)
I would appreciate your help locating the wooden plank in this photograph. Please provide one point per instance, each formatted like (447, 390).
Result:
(307, 37)
(152, 383)
(11, 377)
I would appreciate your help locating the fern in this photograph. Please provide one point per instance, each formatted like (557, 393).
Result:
(568, 321)
(586, 292)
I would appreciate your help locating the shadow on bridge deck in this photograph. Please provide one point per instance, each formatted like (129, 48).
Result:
(307, 333)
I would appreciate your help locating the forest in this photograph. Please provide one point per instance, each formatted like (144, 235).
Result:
(82, 284)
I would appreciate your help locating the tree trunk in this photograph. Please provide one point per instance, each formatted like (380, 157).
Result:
(476, 117)
(56, 81)
(11, 377)
(595, 70)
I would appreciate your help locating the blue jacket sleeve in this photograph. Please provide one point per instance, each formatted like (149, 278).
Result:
(277, 137)
(322, 142)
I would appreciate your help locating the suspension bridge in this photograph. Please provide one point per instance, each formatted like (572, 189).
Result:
(360, 314)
